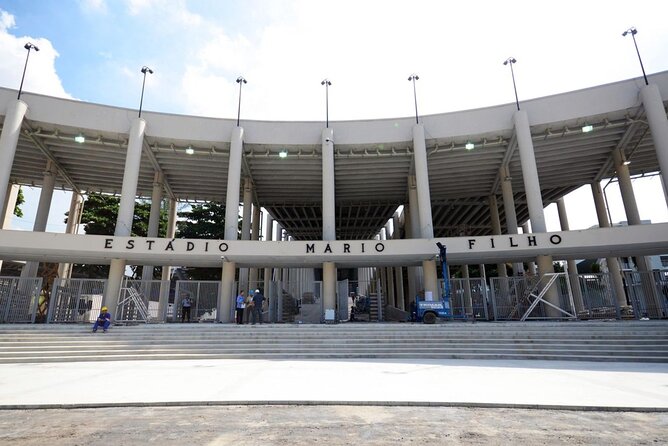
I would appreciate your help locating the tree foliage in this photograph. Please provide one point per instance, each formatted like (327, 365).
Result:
(202, 221)
(20, 199)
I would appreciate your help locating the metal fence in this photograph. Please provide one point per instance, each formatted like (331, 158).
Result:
(149, 292)
(468, 298)
(76, 300)
(204, 296)
(529, 298)
(19, 299)
(648, 293)
(599, 300)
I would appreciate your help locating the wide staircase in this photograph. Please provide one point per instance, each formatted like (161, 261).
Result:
(638, 341)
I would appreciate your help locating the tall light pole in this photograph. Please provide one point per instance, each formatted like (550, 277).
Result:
(633, 33)
(29, 46)
(240, 80)
(510, 61)
(326, 83)
(144, 70)
(414, 77)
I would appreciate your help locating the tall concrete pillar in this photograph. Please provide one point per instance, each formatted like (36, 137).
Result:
(412, 231)
(572, 266)
(8, 209)
(658, 124)
(255, 235)
(227, 292)
(509, 211)
(153, 219)
(167, 270)
(424, 206)
(531, 266)
(398, 270)
(246, 228)
(468, 300)
(41, 218)
(268, 285)
(9, 138)
(633, 218)
(614, 270)
(496, 230)
(73, 222)
(389, 274)
(126, 210)
(328, 217)
(534, 199)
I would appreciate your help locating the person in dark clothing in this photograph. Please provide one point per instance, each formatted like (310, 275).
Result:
(256, 310)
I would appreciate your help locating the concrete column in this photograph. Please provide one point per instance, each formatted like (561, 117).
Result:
(398, 270)
(268, 285)
(658, 124)
(412, 231)
(9, 138)
(496, 230)
(126, 210)
(328, 217)
(572, 266)
(509, 210)
(153, 219)
(633, 218)
(42, 216)
(246, 228)
(167, 270)
(531, 266)
(614, 270)
(534, 198)
(255, 235)
(424, 205)
(73, 222)
(227, 294)
(389, 274)
(8, 209)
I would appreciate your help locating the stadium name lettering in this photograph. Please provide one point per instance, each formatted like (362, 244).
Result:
(514, 241)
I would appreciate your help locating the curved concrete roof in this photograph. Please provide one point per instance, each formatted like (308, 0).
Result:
(373, 158)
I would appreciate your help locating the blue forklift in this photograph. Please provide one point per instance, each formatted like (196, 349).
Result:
(429, 311)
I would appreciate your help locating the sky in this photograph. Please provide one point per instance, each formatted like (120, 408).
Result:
(93, 50)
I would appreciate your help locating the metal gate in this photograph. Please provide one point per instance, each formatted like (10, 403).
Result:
(520, 298)
(204, 296)
(468, 298)
(76, 300)
(648, 293)
(19, 299)
(598, 297)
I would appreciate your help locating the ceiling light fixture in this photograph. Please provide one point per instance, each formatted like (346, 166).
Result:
(190, 150)
(469, 146)
(283, 154)
(80, 138)
(587, 128)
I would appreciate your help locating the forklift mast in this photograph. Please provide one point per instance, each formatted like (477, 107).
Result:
(444, 269)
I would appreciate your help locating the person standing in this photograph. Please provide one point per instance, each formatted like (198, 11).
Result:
(186, 303)
(256, 312)
(241, 305)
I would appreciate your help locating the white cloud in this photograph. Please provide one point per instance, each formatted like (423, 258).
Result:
(41, 76)
(94, 6)
(6, 20)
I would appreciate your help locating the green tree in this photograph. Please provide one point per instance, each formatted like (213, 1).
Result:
(99, 217)
(202, 221)
(20, 199)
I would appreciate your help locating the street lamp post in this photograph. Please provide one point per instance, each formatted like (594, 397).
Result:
(414, 77)
(240, 80)
(144, 70)
(633, 33)
(510, 61)
(29, 46)
(326, 83)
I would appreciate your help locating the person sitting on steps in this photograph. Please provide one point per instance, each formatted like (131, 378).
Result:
(104, 320)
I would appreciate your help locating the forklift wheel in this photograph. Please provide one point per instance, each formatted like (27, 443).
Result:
(429, 318)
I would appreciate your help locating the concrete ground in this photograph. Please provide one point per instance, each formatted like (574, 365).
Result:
(378, 402)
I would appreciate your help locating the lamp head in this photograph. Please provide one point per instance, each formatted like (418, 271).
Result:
(413, 77)
(509, 60)
(29, 46)
(146, 69)
(240, 79)
(326, 82)
(631, 30)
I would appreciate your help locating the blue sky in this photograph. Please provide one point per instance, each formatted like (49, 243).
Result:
(92, 50)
